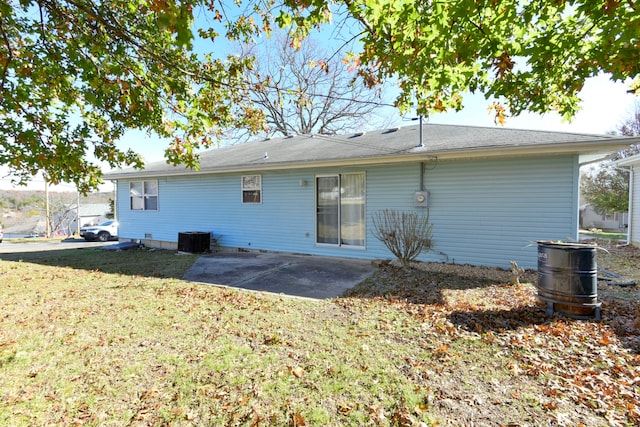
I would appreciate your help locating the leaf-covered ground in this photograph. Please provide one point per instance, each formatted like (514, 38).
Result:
(500, 360)
(624, 261)
(83, 344)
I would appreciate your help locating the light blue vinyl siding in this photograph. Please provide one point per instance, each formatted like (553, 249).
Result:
(485, 212)
(495, 211)
(213, 203)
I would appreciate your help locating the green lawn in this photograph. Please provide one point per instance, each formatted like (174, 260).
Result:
(91, 337)
(604, 235)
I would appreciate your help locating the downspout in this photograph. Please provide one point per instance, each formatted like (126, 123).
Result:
(577, 187)
(630, 209)
(421, 145)
(115, 200)
(630, 223)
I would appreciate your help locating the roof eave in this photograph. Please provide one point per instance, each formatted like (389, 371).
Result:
(599, 147)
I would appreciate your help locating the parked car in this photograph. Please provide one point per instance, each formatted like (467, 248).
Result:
(106, 231)
(1, 234)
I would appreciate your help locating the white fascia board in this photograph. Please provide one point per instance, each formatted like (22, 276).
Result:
(629, 161)
(587, 159)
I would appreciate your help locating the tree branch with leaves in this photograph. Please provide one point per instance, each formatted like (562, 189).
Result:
(530, 56)
(75, 75)
(606, 189)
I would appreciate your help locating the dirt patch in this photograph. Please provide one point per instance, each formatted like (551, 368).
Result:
(618, 277)
(624, 262)
(424, 282)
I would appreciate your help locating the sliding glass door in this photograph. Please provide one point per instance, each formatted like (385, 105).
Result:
(340, 209)
(327, 208)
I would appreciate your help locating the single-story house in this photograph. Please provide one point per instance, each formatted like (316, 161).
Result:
(490, 193)
(89, 214)
(633, 163)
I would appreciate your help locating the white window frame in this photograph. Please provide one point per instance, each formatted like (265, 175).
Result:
(145, 196)
(249, 185)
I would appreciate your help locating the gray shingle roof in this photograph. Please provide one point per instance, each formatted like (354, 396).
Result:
(389, 145)
(94, 209)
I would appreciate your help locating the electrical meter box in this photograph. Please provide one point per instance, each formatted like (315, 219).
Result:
(421, 199)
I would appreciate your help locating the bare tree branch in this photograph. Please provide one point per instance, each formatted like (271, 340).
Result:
(301, 92)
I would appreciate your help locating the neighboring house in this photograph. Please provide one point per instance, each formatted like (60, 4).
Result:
(89, 213)
(633, 164)
(492, 192)
(616, 222)
(93, 213)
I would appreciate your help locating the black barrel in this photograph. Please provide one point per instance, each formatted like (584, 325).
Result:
(194, 242)
(568, 278)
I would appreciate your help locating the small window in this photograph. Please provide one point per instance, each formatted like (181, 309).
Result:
(252, 189)
(143, 195)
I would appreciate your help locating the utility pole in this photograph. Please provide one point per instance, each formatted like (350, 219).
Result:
(78, 213)
(46, 208)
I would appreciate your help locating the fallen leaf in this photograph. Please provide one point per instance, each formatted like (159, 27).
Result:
(344, 408)
(297, 372)
(377, 414)
(298, 420)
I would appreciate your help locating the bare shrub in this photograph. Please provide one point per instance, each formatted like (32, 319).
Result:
(405, 234)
